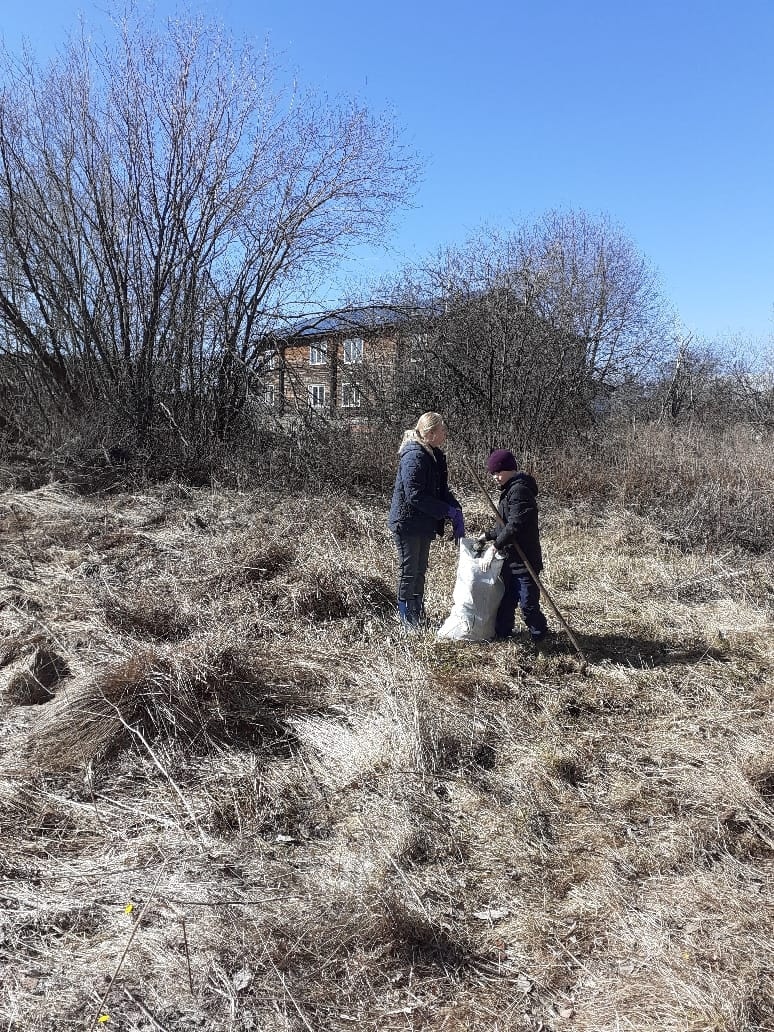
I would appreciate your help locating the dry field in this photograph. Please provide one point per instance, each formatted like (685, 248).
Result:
(233, 796)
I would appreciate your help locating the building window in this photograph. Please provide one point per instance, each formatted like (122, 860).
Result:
(350, 395)
(416, 345)
(268, 395)
(316, 394)
(353, 350)
(318, 353)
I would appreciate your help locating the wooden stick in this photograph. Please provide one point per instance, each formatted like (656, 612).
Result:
(188, 959)
(530, 570)
(121, 959)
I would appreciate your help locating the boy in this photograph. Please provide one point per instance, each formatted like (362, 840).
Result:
(518, 509)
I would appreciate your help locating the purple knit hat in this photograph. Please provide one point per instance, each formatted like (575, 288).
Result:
(500, 460)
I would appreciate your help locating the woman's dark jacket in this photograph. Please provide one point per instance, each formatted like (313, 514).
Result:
(421, 497)
(518, 508)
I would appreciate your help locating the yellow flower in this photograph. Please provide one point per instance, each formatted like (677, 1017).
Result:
(129, 908)
(103, 1018)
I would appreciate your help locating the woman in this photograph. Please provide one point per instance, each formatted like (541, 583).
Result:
(421, 501)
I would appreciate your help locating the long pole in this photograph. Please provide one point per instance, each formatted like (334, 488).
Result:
(530, 569)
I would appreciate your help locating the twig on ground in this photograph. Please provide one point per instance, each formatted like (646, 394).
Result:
(121, 959)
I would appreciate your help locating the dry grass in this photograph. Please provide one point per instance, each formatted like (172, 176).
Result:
(700, 485)
(233, 794)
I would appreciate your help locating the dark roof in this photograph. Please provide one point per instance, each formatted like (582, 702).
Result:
(348, 320)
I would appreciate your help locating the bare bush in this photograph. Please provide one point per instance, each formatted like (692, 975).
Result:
(702, 487)
(162, 195)
(519, 335)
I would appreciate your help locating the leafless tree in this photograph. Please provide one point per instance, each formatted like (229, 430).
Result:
(162, 197)
(521, 334)
(756, 387)
(716, 385)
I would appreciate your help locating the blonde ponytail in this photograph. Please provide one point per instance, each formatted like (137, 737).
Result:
(426, 423)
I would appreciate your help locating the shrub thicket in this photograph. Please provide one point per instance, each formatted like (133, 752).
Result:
(705, 486)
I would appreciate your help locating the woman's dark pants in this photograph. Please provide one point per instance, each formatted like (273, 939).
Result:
(413, 555)
(521, 592)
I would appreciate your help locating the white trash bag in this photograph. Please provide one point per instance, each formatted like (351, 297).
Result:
(477, 594)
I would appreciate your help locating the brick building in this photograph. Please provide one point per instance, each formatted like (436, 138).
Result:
(334, 363)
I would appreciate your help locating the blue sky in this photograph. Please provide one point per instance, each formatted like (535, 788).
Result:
(658, 114)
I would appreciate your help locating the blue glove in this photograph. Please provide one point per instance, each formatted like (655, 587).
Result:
(457, 522)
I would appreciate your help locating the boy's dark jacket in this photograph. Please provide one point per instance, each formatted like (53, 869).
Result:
(518, 508)
(421, 498)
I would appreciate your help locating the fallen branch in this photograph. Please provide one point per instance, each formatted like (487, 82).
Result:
(121, 959)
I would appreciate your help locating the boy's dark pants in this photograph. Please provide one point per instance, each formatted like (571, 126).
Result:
(521, 592)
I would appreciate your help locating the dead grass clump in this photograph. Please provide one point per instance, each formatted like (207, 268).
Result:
(470, 675)
(263, 564)
(282, 797)
(292, 811)
(252, 699)
(192, 700)
(245, 796)
(145, 615)
(568, 767)
(324, 599)
(97, 717)
(345, 522)
(322, 593)
(377, 593)
(425, 938)
(741, 835)
(287, 680)
(36, 684)
(341, 752)
(12, 647)
(432, 840)
(763, 782)
(451, 739)
(577, 702)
